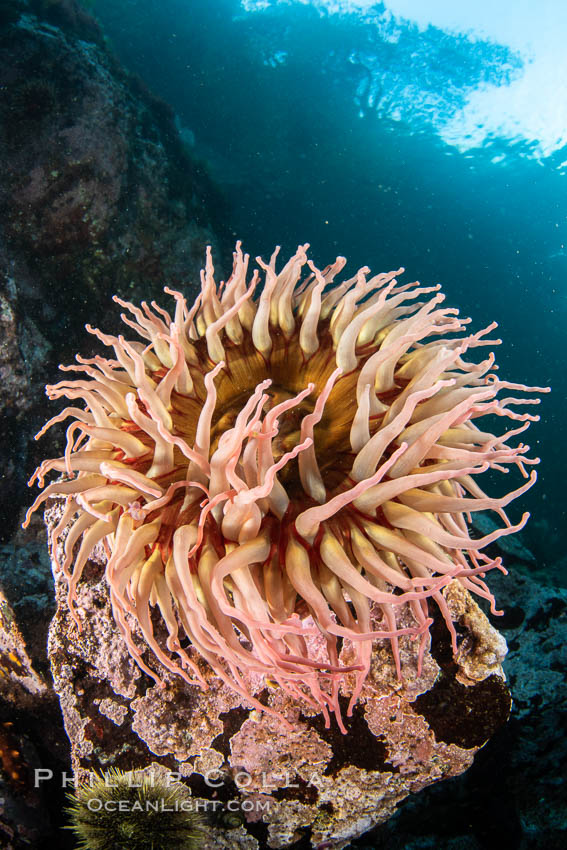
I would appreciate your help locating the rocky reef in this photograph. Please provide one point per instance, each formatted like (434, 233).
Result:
(99, 197)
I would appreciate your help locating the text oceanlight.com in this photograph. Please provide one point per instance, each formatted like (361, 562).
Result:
(95, 804)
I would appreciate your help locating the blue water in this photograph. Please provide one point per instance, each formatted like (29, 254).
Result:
(342, 129)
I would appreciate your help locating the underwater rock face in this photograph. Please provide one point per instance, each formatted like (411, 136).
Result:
(24, 695)
(98, 193)
(99, 190)
(310, 784)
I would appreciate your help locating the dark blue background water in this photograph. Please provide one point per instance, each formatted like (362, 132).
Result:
(322, 128)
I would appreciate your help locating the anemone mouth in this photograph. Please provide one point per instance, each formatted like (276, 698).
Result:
(290, 371)
(277, 473)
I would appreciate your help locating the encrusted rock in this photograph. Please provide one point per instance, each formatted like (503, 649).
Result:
(262, 784)
(24, 821)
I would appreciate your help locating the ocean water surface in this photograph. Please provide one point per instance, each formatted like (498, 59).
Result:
(429, 135)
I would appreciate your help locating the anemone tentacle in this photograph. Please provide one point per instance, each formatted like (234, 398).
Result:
(267, 468)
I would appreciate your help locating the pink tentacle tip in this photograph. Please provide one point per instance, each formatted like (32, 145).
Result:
(266, 558)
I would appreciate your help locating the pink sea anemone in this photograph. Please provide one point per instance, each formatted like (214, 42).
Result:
(260, 468)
